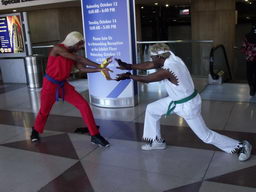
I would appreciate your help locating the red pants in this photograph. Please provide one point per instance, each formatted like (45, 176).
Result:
(71, 96)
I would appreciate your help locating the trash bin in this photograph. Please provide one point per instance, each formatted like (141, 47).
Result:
(35, 70)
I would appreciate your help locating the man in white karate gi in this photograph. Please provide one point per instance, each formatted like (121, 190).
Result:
(182, 100)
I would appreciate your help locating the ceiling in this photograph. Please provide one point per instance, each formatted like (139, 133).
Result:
(139, 2)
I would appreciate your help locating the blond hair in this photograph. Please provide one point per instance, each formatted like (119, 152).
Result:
(72, 38)
(160, 49)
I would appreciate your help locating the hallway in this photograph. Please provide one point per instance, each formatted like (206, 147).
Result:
(67, 161)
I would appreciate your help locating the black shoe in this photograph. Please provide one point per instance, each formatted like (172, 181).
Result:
(34, 135)
(99, 140)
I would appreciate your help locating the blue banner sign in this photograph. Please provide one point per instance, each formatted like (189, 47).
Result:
(5, 44)
(11, 39)
(108, 32)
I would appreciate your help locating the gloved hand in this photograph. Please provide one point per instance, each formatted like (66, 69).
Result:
(106, 62)
(105, 71)
(123, 65)
(123, 76)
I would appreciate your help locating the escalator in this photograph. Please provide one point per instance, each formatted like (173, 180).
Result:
(219, 66)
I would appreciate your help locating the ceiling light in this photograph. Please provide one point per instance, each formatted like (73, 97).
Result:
(156, 3)
(142, 7)
(14, 10)
(167, 5)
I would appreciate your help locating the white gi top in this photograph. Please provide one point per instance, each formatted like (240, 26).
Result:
(185, 85)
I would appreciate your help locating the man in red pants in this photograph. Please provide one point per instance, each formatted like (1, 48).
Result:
(60, 62)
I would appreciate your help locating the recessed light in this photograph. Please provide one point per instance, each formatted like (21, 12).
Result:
(14, 10)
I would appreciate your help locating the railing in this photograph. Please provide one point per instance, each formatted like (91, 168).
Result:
(195, 54)
(45, 49)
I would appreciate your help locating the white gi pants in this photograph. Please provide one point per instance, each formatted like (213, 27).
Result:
(191, 112)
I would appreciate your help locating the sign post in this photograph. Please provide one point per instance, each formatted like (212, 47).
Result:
(109, 31)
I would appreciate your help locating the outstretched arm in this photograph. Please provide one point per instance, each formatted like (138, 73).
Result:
(60, 51)
(140, 66)
(153, 77)
(82, 68)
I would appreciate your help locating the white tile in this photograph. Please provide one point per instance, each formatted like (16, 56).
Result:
(216, 113)
(187, 163)
(82, 144)
(9, 133)
(118, 179)
(228, 92)
(243, 118)
(223, 163)
(25, 171)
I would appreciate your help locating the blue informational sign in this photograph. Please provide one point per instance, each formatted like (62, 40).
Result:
(5, 43)
(11, 35)
(108, 32)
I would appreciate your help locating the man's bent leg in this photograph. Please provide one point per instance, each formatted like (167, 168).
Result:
(152, 131)
(154, 112)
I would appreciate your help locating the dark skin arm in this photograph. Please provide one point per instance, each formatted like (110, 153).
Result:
(141, 66)
(161, 74)
(60, 51)
(144, 66)
(81, 68)
(157, 63)
(81, 62)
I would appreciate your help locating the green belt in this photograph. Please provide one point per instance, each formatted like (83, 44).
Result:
(172, 105)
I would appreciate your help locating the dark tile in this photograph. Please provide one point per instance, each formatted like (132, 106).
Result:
(72, 180)
(122, 130)
(63, 123)
(174, 135)
(251, 137)
(244, 177)
(194, 187)
(4, 88)
(54, 122)
(177, 136)
(16, 118)
(58, 145)
(184, 136)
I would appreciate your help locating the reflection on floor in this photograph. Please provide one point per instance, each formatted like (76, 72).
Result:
(66, 161)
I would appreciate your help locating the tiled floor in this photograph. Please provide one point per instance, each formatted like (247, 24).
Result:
(67, 162)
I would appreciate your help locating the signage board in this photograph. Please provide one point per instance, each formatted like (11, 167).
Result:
(109, 31)
(11, 36)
